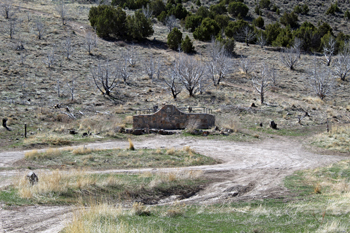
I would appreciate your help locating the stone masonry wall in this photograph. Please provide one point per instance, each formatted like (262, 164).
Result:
(169, 117)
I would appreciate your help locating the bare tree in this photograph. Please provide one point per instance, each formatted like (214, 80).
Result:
(68, 47)
(172, 80)
(90, 42)
(219, 63)
(261, 40)
(297, 45)
(273, 75)
(22, 57)
(249, 34)
(170, 22)
(147, 11)
(58, 87)
(7, 9)
(246, 65)
(342, 62)
(104, 77)
(49, 59)
(62, 10)
(131, 55)
(72, 86)
(123, 69)
(39, 28)
(262, 82)
(321, 81)
(290, 58)
(151, 66)
(11, 27)
(328, 50)
(191, 72)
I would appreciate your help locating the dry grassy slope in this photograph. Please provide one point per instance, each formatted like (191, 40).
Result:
(29, 91)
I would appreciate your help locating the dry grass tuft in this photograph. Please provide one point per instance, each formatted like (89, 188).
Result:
(104, 218)
(176, 210)
(55, 181)
(338, 138)
(131, 145)
(82, 150)
(170, 151)
(317, 189)
(47, 154)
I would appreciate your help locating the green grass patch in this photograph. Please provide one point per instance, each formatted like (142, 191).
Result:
(294, 132)
(115, 158)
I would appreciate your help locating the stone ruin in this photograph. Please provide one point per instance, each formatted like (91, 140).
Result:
(169, 117)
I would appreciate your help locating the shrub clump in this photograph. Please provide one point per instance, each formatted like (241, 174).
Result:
(238, 8)
(174, 39)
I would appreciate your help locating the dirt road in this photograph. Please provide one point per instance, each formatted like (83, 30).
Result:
(248, 171)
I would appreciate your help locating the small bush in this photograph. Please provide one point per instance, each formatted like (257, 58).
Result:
(257, 10)
(304, 10)
(187, 45)
(198, 3)
(229, 45)
(238, 8)
(208, 29)
(192, 22)
(162, 16)
(290, 19)
(108, 21)
(347, 15)
(218, 9)
(157, 6)
(174, 39)
(259, 22)
(333, 9)
(222, 21)
(265, 4)
(139, 26)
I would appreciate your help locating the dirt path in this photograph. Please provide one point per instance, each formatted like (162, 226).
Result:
(248, 171)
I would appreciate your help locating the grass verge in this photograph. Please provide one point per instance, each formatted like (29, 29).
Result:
(114, 158)
(74, 187)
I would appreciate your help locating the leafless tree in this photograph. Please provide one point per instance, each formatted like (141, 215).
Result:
(49, 59)
(246, 65)
(170, 22)
(58, 87)
(62, 10)
(104, 77)
(7, 9)
(90, 42)
(191, 72)
(219, 63)
(151, 66)
(11, 27)
(261, 40)
(297, 45)
(262, 81)
(72, 85)
(22, 57)
(290, 58)
(131, 55)
(273, 75)
(123, 69)
(328, 50)
(147, 11)
(321, 81)
(172, 80)
(249, 34)
(68, 47)
(341, 64)
(39, 28)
